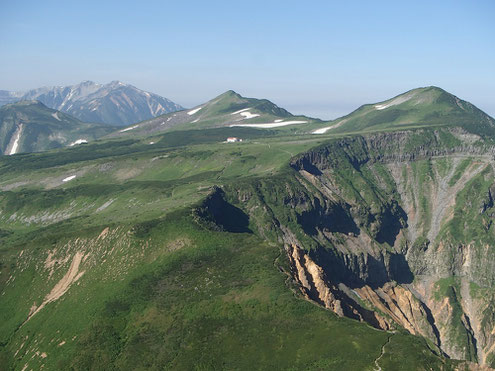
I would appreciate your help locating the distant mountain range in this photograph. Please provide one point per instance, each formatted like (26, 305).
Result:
(428, 106)
(115, 103)
(40, 128)
(30, 126)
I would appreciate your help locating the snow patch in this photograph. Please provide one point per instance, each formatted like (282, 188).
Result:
(245, 113)
(325, 129)
(322, 130)
(127, 129)
(382, 106)
(242, 110)
(279, 120)
(79, 141)
(17, 136)
(192, 112)
(249, 115)
(195, 121)
(69, 178)
(393, 102)
(55, 116)
(270, 125)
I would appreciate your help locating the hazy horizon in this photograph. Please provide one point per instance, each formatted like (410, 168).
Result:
(322, 61)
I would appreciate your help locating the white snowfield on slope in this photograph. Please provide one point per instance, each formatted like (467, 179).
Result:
(269, 125)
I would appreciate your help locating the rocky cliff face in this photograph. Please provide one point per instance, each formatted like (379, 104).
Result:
(394, 229)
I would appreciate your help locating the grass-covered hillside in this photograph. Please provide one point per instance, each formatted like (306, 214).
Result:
(422, 107)
(113, 269)
(227, 110)
(284, 251)
(30, 126)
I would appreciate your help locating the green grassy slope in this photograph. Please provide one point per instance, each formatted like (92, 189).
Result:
(430, 106)
(173, 295)
(156, 289)
(223, 111)
(41, 128)
(108, 259)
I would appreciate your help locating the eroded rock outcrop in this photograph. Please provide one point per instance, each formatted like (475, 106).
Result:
(395, 229)
(315, 286)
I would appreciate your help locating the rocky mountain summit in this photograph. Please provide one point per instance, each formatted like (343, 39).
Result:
(114, 103)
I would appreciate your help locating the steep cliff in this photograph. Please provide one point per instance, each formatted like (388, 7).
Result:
(394, 229)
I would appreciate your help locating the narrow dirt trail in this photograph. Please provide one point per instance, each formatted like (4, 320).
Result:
(378, 367)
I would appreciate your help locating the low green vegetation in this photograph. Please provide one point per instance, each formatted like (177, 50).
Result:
(39, 128)
(459, 170)
(136, 265)
(204, 299)
(422, 107)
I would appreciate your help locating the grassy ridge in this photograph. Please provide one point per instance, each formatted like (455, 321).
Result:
(427, 107)
(43, 128)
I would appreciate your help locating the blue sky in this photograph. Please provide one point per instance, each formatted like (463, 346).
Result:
(320, 58)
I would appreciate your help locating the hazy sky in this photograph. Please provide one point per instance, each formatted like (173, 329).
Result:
(320, 58)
